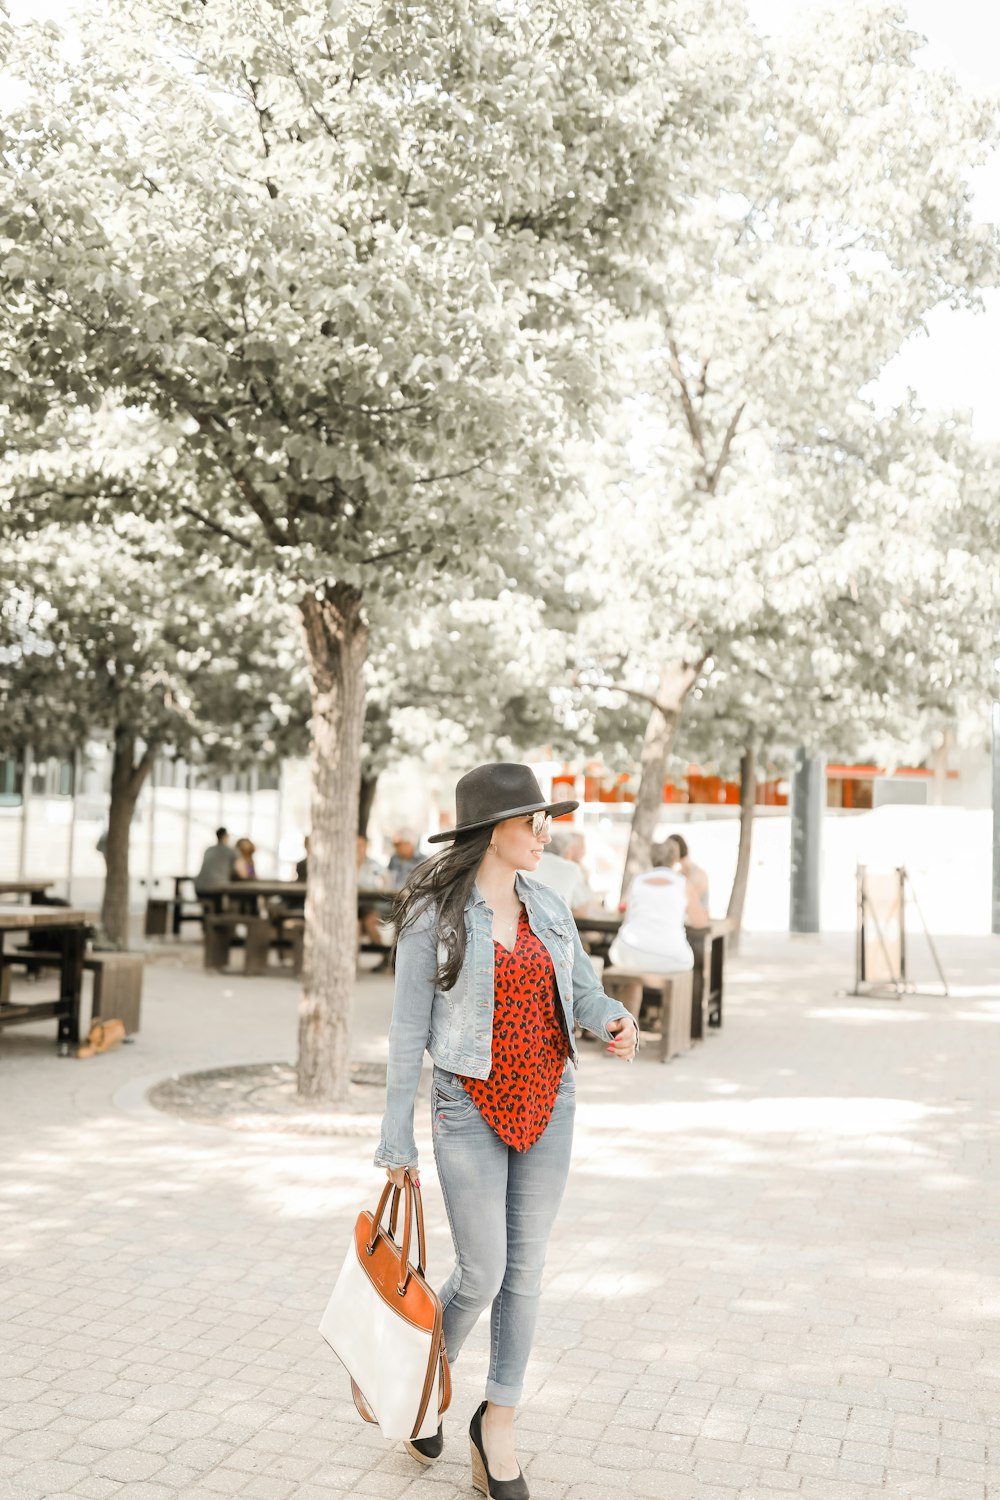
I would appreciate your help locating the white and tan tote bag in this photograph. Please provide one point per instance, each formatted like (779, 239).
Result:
(383, 1322)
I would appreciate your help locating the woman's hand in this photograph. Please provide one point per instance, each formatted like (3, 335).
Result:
(625, 1037)
(396, 1175)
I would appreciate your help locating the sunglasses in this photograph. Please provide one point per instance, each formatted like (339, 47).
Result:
(540, 823)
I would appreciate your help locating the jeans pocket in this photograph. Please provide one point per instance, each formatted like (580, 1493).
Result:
(567, 1086)
(451, 1102)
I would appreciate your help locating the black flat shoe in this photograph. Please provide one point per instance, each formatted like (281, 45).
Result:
(482, 1479)
(426, 1450)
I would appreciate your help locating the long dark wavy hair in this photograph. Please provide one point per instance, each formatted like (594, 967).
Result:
(444, 881)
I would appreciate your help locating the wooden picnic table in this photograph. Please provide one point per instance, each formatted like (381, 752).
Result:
(238, 902)
(33, 889)
(708, 945)
(247, 891)
(599, 932)
(71, 927)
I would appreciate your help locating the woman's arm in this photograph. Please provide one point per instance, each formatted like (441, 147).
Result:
(416, 967)
(591, 1006)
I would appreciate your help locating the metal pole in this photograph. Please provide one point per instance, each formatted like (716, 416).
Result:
(996, 816)
(186, 861)
(22, 847)
(808, 787)
(71, 849)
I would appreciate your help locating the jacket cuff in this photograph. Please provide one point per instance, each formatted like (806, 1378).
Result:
(627, 1015)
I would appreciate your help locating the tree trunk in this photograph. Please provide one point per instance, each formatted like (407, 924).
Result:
(365, 800)
(748, 802)
(336, 641)
(676, 680)
(127, 778)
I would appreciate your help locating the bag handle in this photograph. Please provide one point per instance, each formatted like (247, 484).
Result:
(414, 1214)
(377, 1216)
(413, 1210)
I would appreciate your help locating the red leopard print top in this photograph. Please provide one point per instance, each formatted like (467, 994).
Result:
(529, 1042)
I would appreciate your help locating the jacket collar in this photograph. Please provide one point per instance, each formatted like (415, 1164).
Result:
(531, 892)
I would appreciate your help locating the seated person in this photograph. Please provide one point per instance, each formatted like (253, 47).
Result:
(697, 882)
(302, 867)
(243, 866)
(561, 873)
(576, 851)
(216, 865)
(371, 877)
(372, 914)
(405, 858)
(651, 937)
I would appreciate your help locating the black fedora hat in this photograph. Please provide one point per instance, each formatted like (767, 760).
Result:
(502, 789)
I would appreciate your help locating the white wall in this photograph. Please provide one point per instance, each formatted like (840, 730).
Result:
(946, 851)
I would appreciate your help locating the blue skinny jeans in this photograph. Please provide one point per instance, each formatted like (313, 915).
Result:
(501, 1206)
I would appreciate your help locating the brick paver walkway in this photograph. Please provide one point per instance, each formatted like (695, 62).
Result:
(777, 1270)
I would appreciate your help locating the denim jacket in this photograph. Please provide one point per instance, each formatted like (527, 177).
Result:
(456, 1026)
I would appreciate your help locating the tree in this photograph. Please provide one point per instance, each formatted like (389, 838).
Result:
(815, 232)
(889, 636)
(340, 251)
(119, 631)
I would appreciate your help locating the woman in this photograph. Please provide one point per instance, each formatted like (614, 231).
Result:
(243, 866)
(652, 937)
(490, 977)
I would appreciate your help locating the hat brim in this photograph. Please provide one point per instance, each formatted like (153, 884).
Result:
(555, 809)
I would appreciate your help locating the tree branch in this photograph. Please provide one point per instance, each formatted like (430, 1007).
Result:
(727, 443)
(454, 474)
(690, 415)
(272, 530)
(650, 698)
(261, 124)
(231, 536)
(377, 557)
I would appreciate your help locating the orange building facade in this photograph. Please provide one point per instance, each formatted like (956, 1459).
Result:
(848, 787)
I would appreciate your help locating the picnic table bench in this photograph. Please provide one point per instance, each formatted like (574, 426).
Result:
(235, 904)
(69, 928)
(163, 912)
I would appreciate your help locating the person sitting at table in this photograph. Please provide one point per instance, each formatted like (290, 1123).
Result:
(302, 866)
(371, 875)
(405, 858)
(216, 864)
(651, 937)
(374, 929)
(576, 851)
(243, 866)
(561, 873)
(697, 882)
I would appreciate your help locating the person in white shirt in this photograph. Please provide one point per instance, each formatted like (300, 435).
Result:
(561, 874)
(652, 937)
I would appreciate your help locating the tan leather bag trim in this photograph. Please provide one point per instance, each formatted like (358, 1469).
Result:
(419, 1305)
(360, 1401)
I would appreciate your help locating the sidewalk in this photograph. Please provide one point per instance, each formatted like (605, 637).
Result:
(776, 1271)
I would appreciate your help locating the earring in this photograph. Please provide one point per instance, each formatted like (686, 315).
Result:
(494, 849)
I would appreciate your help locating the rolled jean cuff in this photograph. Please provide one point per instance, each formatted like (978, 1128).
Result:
(503, 1395)
(393, 1161)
